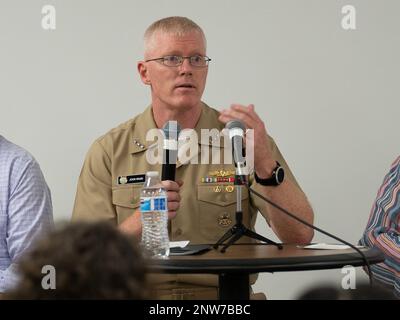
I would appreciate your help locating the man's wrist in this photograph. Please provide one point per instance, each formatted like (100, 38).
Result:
(277, 177)
(265, 172)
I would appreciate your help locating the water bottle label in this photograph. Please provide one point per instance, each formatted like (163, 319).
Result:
(153, 204)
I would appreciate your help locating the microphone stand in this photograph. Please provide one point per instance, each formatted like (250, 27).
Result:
(239, 229)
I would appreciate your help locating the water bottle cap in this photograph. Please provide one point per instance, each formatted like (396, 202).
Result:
(152, 173)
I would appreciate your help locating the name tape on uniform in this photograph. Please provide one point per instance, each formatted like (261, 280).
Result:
(138, 178)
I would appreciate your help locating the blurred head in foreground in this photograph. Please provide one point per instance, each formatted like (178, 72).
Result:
(82, 261)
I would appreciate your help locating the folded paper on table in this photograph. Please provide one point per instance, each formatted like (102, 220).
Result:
(326, 246)
(178, 244)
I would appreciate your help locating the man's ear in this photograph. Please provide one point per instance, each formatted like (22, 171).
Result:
(143, 72)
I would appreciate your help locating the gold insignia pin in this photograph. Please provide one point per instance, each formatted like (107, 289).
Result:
(217, 189)
(222, 173)
(224, 220)
(229, 189)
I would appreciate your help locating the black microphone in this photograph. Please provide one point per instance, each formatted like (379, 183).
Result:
(236, 135)
(171, 130)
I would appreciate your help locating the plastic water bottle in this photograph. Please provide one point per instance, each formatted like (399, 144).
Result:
(154, 215)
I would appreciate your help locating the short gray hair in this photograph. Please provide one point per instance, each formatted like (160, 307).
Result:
(173, 25)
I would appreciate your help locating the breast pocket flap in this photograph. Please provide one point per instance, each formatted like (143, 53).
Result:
(219, 194)
(126, 197)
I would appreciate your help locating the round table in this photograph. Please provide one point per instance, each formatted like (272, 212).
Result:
(240, 260)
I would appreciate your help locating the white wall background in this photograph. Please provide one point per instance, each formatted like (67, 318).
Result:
(328, 96)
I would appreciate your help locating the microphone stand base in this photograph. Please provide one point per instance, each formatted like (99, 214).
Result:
(238, 231)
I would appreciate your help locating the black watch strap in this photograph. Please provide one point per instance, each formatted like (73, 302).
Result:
(278, 174)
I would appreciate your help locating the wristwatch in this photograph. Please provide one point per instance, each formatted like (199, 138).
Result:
(278, 174)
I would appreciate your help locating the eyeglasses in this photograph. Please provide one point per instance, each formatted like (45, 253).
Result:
(175, 61)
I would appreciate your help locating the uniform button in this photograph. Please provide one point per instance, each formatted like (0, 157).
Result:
(123, 180)
(178, 232)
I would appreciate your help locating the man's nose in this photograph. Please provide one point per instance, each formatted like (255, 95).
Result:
(185, 67)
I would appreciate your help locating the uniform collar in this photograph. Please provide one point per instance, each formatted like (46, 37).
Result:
(209, 120)
(145, 121)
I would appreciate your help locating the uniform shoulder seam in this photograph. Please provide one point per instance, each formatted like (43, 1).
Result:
(118, 130)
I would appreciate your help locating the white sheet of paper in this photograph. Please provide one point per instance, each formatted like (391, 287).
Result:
(178, 244)
(325, 246)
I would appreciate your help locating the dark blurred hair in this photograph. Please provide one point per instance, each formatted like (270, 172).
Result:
(91, 260)
(362, 292)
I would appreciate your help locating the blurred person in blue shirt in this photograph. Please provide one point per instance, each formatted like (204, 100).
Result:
(25, 208)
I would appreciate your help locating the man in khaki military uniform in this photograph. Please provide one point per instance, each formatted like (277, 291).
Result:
(201, 203)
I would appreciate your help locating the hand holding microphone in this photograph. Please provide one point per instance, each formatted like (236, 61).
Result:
(171, 130)
(173, 197)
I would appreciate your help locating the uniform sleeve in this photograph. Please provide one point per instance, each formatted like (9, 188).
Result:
(260, 204)
(93, 200)
(383, 228)
(29, 216)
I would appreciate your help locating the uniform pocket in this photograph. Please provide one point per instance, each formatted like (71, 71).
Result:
(217, 207)
(126, 200)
